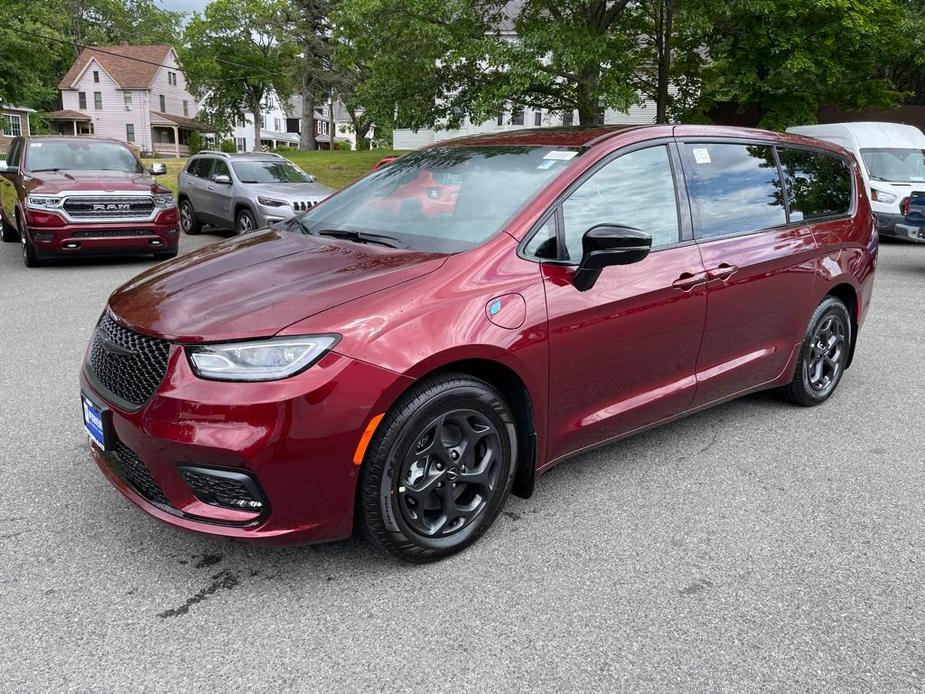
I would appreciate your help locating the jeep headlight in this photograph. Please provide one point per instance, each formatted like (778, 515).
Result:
(259, 360)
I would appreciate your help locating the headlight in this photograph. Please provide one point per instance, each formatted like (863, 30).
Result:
(43, 202)
(261, 360)
(881, 196)
(164, 201)
(270, 202)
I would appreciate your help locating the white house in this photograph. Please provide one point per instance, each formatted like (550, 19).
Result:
(136, 94)
(277, 128)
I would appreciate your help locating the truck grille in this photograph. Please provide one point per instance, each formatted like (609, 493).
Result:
(108, 207)
(125, 364)
(108, 233)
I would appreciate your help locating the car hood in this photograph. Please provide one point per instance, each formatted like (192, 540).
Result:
(256, 285)
(53, 182)
(291, 191)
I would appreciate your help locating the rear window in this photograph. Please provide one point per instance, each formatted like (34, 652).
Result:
(818, 184)
(733, 188)
(199, 167)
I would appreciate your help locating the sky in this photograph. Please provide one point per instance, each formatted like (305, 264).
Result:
(184, 5)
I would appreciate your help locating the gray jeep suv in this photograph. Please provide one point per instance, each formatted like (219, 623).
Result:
(243, 191)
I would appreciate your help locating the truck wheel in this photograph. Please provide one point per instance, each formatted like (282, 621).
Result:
(29, 255)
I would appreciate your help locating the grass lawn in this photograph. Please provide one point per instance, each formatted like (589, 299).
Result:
(334, 169)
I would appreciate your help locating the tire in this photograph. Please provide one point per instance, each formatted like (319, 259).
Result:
(30, 256)
(244, 222)
(188, 221)
(7, 232)
(823, 355)
(421, 495)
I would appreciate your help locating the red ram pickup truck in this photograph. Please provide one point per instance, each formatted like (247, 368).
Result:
(78, 196)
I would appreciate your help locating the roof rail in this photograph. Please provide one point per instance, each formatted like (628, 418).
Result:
(212, 151)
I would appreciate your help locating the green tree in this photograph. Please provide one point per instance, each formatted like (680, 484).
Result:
(774, 62)
(238, 53)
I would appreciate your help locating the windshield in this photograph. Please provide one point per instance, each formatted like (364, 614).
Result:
(442, 200)
(269, 172)
(899, 165)
(85, 155)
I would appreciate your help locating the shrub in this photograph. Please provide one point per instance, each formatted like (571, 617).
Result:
(196, 143)
(228, 146)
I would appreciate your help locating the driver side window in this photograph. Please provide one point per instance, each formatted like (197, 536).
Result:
(635, 190)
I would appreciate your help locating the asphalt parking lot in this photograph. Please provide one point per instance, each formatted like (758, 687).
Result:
(754, 546)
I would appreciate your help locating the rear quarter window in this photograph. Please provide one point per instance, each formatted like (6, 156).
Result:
(818, 184)
(733, 188)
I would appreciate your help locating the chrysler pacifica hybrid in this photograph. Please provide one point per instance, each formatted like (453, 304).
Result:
(428, 340)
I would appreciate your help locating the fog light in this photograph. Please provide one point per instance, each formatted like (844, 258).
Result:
(157, 242)
(42, 236)
(72, 245)
(224, 488)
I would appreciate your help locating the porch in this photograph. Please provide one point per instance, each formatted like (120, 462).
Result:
(170, 134)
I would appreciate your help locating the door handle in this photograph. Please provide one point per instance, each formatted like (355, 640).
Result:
(687, 281)
(722, 272)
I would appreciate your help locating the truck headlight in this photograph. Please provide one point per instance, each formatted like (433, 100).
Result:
(259, 360)
(164, 201)
(43, 202)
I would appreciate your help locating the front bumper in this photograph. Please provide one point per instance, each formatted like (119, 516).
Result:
(887, 221)
(296, 437)
(52, 236)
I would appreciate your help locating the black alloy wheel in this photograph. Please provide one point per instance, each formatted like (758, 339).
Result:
(438, 469)
(823, 356)
(30, 256)
(8, 232)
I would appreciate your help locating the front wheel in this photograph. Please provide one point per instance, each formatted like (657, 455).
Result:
(7, 232)
(439, 469)
(30, 256)
(823, 355)
(188, 221)
(244, 222)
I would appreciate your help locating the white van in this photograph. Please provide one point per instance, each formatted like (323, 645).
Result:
(892, 158)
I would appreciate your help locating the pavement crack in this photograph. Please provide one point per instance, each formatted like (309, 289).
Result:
(223, 580)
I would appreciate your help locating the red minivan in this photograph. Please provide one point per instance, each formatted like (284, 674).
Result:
(376, 366)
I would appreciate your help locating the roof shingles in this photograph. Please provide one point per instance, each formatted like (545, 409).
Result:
(132, 67)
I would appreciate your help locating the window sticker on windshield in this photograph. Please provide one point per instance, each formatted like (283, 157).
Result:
(548, 164)
(701, 155)
(561, 155)
(35, 144)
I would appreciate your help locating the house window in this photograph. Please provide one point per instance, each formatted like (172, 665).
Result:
(172, 78)
(567, 118)
(82, 100)
(185, 107)
(96, 76)
(242, 144)
(276, 124)
(129, 132)
(518, 116)
(163, 104)
(263, 121)
(241, 121)
(537, 118)
(128, 101)
(10, 125)
(98, 101)
(501, 118)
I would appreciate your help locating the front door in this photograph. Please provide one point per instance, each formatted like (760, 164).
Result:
(8, 194)
(621, 354)
(218, 197)
(759, 262)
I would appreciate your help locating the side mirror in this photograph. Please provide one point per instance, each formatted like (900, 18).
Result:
(222, 179)
(158, 169)
(6, 170)
(606, 245)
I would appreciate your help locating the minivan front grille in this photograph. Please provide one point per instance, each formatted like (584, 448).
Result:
(127, 366)
(126, 464)
(108, 207)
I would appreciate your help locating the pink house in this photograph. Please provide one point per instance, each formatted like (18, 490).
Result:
(136, 94)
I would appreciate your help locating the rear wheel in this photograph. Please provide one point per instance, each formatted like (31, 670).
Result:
(188, 221)
(439, 469)
(244, 222)
(7, 232)
(823, 355)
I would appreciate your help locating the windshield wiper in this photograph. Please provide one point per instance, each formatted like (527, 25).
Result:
(362, 237)
(41, 170)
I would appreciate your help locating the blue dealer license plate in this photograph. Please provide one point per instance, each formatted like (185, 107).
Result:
(94, 423)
